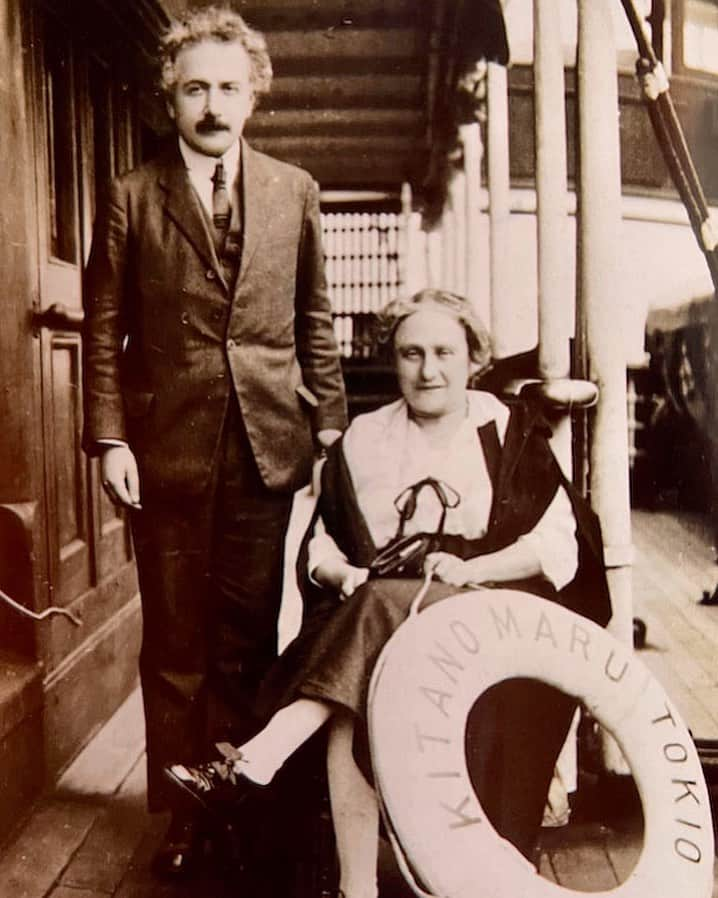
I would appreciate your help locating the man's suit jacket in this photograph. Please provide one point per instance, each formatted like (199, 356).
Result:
(166, 341)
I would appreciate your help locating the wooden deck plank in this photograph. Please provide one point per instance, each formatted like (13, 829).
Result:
(110, 756)
(65, 892)
(31, 864)
(102, 860)
(666, 661)
(694, 712)
(686, 537)
(666, 548)
(680, 592)
(674, 563)
(691, 658)
(677, 542)
(624, 849)
(140, 882)
(689, 635)
(655, 581)
(544, 867)
(576, 857)
(583, 867)
(708, 697)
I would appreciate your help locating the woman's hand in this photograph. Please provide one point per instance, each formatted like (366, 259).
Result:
(515, 562)
(448, 568)
(353, 579)
(340, 575)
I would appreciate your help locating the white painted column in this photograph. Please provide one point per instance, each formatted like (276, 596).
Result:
(405, 238)
(434, 254)
(447, 228)
(500, 255)
(459, 211)
(599, 229)
(413, 252)
(470, 135)
(554, 305)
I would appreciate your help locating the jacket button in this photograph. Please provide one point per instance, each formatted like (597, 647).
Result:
(231, 344)
(217, 315)
(210, 274)
(184, 318)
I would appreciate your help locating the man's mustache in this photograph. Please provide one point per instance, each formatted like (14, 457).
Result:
(210, 123)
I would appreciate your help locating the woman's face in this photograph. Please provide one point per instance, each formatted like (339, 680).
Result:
(432, 363)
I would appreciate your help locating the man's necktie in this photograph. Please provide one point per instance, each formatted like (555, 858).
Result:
(221, 208)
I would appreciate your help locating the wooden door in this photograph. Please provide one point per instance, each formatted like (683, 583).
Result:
(81, 141)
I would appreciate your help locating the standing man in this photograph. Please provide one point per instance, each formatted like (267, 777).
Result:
(211, 379)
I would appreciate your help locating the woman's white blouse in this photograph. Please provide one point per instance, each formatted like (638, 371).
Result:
(386, 452)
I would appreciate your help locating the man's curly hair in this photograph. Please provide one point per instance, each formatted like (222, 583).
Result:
(221, 24)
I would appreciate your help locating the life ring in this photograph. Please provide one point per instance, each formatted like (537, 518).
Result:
(424, 684)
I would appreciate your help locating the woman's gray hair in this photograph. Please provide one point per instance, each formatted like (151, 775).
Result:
(457, 307)
(221, 24)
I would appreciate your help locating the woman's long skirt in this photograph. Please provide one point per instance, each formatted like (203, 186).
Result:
(514, 732)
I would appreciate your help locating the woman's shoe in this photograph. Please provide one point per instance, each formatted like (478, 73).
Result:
(215, 786)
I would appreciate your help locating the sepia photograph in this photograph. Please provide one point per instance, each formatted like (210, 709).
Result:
(359, 448)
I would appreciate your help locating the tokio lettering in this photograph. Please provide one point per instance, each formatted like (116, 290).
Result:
(676, 754)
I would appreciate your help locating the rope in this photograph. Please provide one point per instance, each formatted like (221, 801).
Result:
(419, 597)
(41, 615)
(671, 139)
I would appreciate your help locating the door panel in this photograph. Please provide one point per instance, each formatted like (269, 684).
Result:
(70, 481)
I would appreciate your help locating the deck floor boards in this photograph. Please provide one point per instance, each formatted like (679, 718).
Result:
(674, 564)
(102, 860)
(93, 838)
(31, 863)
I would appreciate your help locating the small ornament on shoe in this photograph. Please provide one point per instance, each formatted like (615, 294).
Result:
(215, 785)
(230, 752)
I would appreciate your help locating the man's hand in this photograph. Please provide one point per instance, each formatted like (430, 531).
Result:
(120, 479)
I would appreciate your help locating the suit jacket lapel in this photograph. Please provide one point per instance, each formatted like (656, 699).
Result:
(256, 201)
(183, 206)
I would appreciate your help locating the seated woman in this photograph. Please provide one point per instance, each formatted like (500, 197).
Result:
(446, 480)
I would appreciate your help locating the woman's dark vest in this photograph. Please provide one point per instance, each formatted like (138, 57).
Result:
(525, 476)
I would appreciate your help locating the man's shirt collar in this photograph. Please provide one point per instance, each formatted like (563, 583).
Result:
(200, 165)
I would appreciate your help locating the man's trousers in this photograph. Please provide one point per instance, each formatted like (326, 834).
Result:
(210, 572)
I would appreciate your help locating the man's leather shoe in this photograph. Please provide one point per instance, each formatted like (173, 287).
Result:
(216, 786)
(179, 855)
